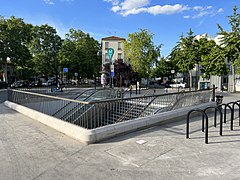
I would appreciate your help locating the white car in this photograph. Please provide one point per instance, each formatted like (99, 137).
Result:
(178, 85)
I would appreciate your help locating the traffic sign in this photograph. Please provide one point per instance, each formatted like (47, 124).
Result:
(112, 74)
(110, 53)
(65, 70)
(112, 67)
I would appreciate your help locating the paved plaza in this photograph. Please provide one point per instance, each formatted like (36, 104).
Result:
(30, 150)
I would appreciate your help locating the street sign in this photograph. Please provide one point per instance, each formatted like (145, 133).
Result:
(112, 67)
(112, 74)
(76, 74)
(110, 53)
(65, 70)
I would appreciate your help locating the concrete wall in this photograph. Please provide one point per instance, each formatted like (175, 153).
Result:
(95, 135)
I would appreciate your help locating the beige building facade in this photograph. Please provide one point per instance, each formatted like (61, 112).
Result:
(117, 43)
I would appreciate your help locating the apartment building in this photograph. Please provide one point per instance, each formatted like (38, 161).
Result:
(117, 44)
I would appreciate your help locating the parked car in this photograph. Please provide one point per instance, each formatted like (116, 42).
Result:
(20, 84)
(178, 85)
(153, 84)
(48, 83)
(3, 85)
(51, 82)
(37, 83)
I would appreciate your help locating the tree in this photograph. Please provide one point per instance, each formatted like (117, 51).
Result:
(80, 54)
(164, 67)
(185, 54)
(14, 38)
(231, 43)
(45, 46)
(211, 58)
(123, 71)
(141, 52)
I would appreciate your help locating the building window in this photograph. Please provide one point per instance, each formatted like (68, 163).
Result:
(107, 58)
(106, 45)
(119, 45)
(119, 56)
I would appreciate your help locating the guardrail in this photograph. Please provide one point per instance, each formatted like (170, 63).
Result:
(99, 112)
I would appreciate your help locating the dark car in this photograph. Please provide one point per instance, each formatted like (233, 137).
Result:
(37, 83)
(20, 84)
(153, 84)
(3, 85)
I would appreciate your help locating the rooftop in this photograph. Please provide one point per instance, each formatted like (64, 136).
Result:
(113, 38)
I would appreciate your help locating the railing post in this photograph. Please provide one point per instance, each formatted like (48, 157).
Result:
(214, 93)
(8, 95)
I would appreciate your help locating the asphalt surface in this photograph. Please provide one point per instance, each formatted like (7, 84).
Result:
(3, 95)
(30, 150)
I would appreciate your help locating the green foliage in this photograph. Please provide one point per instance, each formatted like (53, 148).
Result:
(141, 52)
(80, 54)
(164, 67)
(45, 47)
(231, 40)
(186, 52)
(211, 58)
(14, 38)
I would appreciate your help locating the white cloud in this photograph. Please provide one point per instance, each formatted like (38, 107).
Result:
(116, 8)
(49, 2)
(220, 10)
(167, 9)
(205, 11)
(127, 7)
(133, 4)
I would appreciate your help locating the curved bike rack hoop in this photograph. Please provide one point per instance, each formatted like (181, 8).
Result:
(215, 116)
(204, 115)
(238, 103)
(225, 113)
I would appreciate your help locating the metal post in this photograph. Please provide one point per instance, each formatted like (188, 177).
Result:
(95, 83)
(136, 87)
(131, 91)
(206, 131)
(214, 93)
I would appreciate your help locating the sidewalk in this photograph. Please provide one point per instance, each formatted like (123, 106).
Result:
(30, 150)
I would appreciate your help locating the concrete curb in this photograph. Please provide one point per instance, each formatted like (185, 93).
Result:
(95, 135)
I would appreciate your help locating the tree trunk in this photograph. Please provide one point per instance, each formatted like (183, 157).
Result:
(233, 78)
(5, 73)
(190, 80)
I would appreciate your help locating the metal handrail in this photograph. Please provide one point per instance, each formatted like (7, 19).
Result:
(103, 112)
(74, 99)
(103, 101)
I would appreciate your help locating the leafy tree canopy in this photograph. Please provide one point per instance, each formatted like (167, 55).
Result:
(141, 52)
(80, 53)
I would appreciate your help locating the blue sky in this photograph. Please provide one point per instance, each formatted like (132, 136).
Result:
(166, 19)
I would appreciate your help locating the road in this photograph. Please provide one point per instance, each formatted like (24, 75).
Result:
(3, 95)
